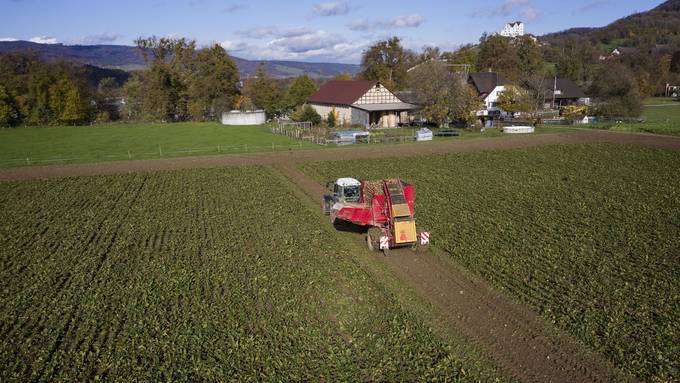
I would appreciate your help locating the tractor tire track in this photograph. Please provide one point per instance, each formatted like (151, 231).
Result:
(523, 345)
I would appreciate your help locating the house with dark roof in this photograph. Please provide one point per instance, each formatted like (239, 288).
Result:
(489, 86)
(361, 102)
(558, 92)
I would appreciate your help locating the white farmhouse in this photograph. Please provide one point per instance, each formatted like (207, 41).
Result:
(515, 29)
(489, 87)
(366, 103)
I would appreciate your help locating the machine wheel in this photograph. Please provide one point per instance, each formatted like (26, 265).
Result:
(373, 238)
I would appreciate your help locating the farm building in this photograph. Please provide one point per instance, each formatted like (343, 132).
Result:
(558, 92)
(489, 86)
(366, 103)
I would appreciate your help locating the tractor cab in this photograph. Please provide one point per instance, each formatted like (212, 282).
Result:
(347, 190)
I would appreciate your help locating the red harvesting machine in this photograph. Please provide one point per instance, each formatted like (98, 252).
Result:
(386, 208)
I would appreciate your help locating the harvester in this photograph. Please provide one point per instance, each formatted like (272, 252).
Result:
(385, 208)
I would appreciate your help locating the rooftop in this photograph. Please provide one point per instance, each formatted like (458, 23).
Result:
(342, 92)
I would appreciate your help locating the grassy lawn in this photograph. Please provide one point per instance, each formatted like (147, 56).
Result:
(110, 142)
(662, 101)
(662, 117)
(587, 235)
(114, 142)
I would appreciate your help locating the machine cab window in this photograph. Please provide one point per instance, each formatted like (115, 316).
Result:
(347, 189)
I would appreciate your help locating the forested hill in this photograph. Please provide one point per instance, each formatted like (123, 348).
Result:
(128, 58)
(658, 26)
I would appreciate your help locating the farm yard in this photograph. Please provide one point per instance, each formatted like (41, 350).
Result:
(161, 277)
(584, 234)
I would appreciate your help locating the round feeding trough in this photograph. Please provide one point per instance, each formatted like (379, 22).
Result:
(518, 129)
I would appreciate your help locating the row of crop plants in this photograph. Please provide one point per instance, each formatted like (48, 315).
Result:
(587, 235)
(207, 275)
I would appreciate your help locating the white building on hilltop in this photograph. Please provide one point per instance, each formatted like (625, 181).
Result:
(515, 29)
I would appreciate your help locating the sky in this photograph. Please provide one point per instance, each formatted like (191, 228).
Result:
(315, 31)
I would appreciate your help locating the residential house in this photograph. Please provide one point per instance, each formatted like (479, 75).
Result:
(558, 92)
(489, 86)
(361, 102)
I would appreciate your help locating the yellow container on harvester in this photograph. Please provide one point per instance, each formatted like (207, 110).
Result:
(405, 232)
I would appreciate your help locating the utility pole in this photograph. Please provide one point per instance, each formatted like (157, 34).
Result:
(554, 90)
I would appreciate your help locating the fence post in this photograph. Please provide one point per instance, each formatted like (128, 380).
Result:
(129, 155)
(160, 150)
(28, 161)
(218, 149)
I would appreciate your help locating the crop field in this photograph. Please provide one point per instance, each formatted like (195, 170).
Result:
(587, 235)
(164, 277)
(128, 141)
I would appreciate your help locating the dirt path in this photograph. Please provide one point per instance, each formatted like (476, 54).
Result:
(514, 336)
(442, 147)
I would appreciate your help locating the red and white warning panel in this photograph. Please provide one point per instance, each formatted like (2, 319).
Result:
(424, 238)
(384, 242)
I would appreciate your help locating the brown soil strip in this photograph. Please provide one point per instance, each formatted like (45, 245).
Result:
(442, 147)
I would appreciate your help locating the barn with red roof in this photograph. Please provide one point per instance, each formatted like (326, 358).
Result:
(361, 102)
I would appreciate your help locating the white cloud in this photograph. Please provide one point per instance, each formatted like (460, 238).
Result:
(524, 9)
(407, 21)
(233, 46)
(298, 44)
(592, 6)
(232, 8)
(102, 38)
(8, 39)
(313, 41)
(264, 32)
(331, 9)
(44, 40)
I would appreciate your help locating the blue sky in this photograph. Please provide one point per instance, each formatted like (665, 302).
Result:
(326, 30)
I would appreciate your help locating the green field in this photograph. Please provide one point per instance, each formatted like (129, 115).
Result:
(663, 117)
(111, 142)
(162, 277)
(586, 235)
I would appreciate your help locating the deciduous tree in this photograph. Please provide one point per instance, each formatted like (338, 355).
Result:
(299, 91)
(388, 62)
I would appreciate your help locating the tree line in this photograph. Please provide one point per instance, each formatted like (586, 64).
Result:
(182, 83)
(618, 84)
(187, 83)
